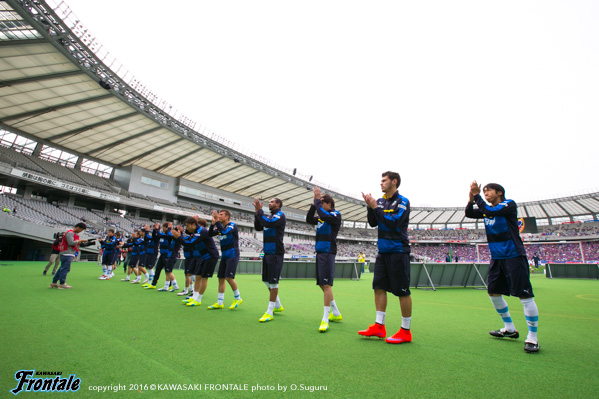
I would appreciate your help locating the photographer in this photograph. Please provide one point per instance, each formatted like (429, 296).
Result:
(54, 258)
(69, 248)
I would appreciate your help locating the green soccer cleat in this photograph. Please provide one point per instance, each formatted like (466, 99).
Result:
(277, 310)
(193, 302)
(173, 288)
(332, 317)
(324, 326)
(186, 301)
(150, 287)
(236, 302)
(145, 285)
(215, 306)
(162, 289)
(265, 317)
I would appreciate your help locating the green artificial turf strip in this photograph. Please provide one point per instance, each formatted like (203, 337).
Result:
(110, 333)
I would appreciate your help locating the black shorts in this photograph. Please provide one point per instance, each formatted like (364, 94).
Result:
(510, 277)
(392, 273)
(190, 265)
(325, 269)
(142, 260)
(108, 259)
(169, 264)
(205, 267)
(134, 261)
(272, 265)
(228, 267)
(151, 260)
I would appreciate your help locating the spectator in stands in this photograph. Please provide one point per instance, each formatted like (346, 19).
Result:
(362, 260)
(6, 209)
(14, 211)
(69, 249)
(54, 256)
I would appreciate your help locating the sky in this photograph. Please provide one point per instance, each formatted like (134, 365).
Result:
(443, 92)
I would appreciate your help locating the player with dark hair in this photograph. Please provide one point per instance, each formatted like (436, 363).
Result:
(508, 270)
(54, 256)
(153, 243)
(204, 250)
(109, 247)
(392, 266)
(274, 251)
(328, 223)
(229, 245)
(134, 244)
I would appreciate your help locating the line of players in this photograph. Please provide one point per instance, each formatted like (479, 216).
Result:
(155, 249)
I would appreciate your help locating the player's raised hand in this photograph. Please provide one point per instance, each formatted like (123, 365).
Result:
(474, 189)
(257, 204)
(214, 216)
(317, 193)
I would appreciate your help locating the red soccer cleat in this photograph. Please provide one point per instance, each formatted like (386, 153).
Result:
(400, 337)
(374, 330)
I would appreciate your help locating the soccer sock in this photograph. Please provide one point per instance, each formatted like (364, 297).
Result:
(501, 307)
(199, 299)
(380, 318)
(166, 285)
(174, 283)
(103, 270)
(221, 298)
(334, 309)
(236, 294)
(151, 275)
(277, 302)
(271, 306)
(405, 322)
(195, 296)
(325, 316)
(532, 318)
(147, 275)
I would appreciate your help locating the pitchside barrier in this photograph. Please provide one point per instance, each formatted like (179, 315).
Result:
(572, 270)
(295, 269)
(434, 275)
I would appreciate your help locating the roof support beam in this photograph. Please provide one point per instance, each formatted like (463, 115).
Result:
(199, 167)
(169, 163)
(90, 127)
(219, 173)
(117, 143)
(41, 111)
(238, 178)
(253, 184)
(22, 42)
(145, 154)
(39, 78)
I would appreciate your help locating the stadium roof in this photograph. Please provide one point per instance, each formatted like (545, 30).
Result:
(58, 86)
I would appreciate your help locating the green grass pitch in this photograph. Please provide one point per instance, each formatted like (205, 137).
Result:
(115, 333)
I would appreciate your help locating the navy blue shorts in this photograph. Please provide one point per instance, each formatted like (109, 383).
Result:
(190, 265)
(205, 267)
(228, 267)
(134, 261)
(325, 269)
(151, 260)
(108, 259)
(272, 265)
(392, 273)
(510, 277)
(142, 260)
(169, 264)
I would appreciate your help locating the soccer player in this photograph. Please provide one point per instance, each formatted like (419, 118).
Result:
(152, 249)
(69, 249)
(109, 247)
(229, 245)
(508, 269)
(136, 239)
(206, 254)
(188, 253)
(170, 283)
(165, 244)
(392, 266)
(274, 251)
(328, 223)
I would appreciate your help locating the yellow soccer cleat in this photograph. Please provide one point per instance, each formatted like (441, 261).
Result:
(276, 310)
(193, 302)
(324, 326)
(265, 317)
(332, 317)
(236, 303)
(215, 306)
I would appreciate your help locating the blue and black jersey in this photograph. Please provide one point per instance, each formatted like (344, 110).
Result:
(153, 241)
(137, 246)
(229, 239)
(501, 225)
(166, 242)
(392, 216)
(199, 244)
(328, 224)
(109, 245)
(274, 231)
